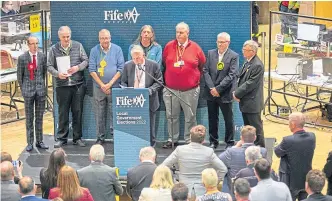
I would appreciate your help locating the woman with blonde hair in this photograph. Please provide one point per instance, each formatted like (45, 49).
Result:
(161, 186)
(210, 182)
(68, 187)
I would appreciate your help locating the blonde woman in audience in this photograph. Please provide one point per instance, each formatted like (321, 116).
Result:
(68, 187)
(161, 186)
(57, 199)
(210, 182)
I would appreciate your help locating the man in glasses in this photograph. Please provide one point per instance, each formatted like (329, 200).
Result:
(250, 90)
(220, 72)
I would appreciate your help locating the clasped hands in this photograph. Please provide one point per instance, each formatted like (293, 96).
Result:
(214, 92)
(106, 88)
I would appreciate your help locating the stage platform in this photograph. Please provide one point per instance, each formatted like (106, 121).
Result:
(78, 157)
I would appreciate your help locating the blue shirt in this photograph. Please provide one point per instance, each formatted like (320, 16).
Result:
(154, 53)
(114, 59)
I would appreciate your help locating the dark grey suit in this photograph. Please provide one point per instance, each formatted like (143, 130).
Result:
(318, 197)
(296, 152)
(139, 177)
(250, 93)
(328, 171)
(34, 94)
(101, 180)
(128, 80)
(224, 82)
(9, 191)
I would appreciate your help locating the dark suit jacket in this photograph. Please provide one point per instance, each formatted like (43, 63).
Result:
(30, 87)
(128, 80)
(33, 198)
(296, 152)
(139, 177)
(318, 197)
(328, 171)
(250, 86)
(223, 80)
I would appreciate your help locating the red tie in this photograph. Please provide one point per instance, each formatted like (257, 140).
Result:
(34, 62)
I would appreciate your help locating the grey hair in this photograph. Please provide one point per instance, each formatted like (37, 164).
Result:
(97, 153)
(242, 187)
(147, 152)
(136, 49)
(224, 35)
(106, 31)
(63, 28)
(26, 185)
(253, 153)
(298, 119)
(252, 44)
(182, 25)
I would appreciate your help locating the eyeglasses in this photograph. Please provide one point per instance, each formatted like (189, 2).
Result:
(246, 50)
(106, 38)
(222, 42)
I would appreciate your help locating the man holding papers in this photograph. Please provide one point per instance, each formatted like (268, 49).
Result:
(135, 74)
(105, 66)
(66, 62)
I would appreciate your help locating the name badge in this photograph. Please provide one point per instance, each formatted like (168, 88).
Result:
(181, 63)
(176, 64)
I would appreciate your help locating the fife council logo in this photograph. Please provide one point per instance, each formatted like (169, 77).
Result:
(125, 101)
(115, 16)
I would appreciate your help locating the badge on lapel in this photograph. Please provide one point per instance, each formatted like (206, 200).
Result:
(220, 65)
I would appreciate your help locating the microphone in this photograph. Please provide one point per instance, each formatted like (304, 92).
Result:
(140, 67)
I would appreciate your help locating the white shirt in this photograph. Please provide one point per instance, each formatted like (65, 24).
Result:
(251, 58)
(184, 44)
(105, 50)
(31, 56)
(139, 74)
(221, 56)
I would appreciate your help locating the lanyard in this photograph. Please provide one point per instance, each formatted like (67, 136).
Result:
(139, 75)
(179, 52)
(101, 54)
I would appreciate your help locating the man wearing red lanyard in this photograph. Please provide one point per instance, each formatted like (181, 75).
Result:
(183, 60)
(31, 70)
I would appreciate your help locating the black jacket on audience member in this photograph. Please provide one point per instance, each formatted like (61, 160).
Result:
(328, 171)
(318, 197)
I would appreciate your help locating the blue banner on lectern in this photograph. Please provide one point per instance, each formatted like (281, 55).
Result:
(131, 122)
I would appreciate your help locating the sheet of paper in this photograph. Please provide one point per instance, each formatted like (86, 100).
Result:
(63, 64)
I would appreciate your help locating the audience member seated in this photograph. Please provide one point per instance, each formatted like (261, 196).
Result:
(7, 8)
(140, 176)
(241, 189)
(98, 173)
(267, 189)
(180, 192)
(28, 190)
(234, 157)
(314, 184)
(68, 187)
(193, 158)
(48, 177)
(210, 182)
(252, 154)
(161, 186)
(57, 199)
(328, 171)
(296, 152)
(5, 156)
(9, 190)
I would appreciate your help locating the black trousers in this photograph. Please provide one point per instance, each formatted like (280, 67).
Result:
(213, 113)
(70, 98)
(152, 128)
(254, 119)
(296, 194)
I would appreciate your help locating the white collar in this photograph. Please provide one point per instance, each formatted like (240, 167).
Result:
(251, 58)
(149, 161)
(104, 50)
(222, 53)
(30, 53)
(143, 64)
(184, 44)
(27, 196)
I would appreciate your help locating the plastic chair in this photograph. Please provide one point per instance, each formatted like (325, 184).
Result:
(6, 60)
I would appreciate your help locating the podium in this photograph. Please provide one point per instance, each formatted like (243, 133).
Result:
(131, 123)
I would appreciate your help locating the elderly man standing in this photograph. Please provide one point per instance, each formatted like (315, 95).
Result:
(99, 178)
(9, 190)
(31, 73)
(135, 75)
(140, 177)
(296, 152)
(220, 72)
(183, 60)
(250, 90)
(193, 158)
(70, 86)
(105, 66)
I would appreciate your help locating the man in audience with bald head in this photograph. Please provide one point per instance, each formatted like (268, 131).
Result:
(9, 190)
(28, 189)
(296, 152)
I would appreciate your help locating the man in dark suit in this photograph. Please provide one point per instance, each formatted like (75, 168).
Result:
(100, 178)
(296, 152)
(28, 190)
(328, 171)
(31, 73)
(220, 72)
(135, 74)
(9, 190)
(250, 90)
(315, 181)
(140, 176)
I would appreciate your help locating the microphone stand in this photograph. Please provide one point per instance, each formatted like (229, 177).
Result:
(171, 94)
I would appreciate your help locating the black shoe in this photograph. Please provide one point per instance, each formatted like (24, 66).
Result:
(99, 141)
(168, 145)
(79, 143)
(29, 148)
(59, 144)
(41, 145)
(214, 145)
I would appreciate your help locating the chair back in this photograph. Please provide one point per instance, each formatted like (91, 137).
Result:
(6, 60)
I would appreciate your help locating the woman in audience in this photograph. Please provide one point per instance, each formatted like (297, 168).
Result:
(48, 177)
(210, 182)
(161, 186)
(68, 187)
